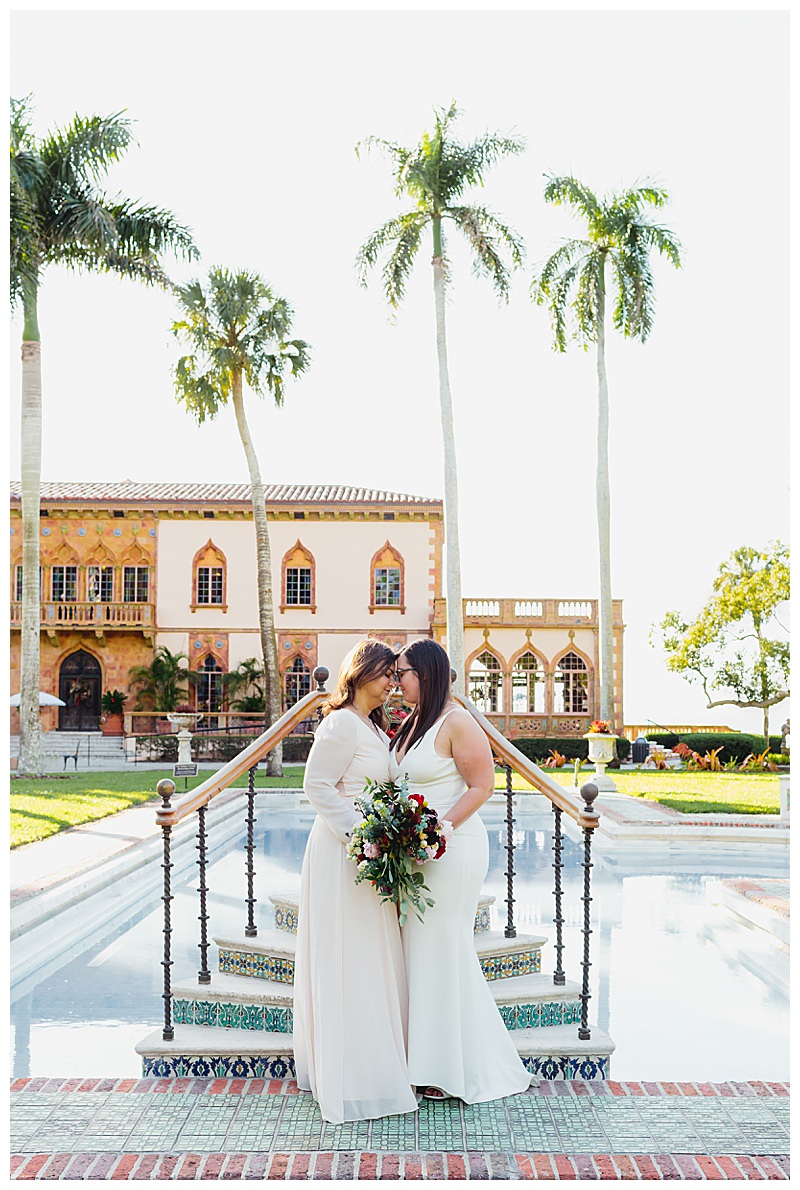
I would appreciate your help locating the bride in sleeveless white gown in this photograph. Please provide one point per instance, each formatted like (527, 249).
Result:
(350, 999)
(457, 1041)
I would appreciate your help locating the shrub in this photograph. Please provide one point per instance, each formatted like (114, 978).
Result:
(572, 747)
(737, 745)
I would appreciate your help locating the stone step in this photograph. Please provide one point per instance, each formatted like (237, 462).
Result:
(552, 1053)
(270, 955)
(287, 912)
(236, 1002)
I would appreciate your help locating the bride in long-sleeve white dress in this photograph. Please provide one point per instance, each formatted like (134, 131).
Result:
(350, 998)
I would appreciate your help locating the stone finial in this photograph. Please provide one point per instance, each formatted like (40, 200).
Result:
(589, 792)
(165, 789)
(320, 676)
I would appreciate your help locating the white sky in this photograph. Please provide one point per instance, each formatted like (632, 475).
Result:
(246, 123)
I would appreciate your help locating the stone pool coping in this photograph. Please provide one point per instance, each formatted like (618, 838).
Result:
(112, 1129)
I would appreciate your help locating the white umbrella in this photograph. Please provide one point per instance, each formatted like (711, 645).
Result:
(45, 700)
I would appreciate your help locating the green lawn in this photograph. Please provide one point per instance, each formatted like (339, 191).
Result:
(44, 807)
(690, 793)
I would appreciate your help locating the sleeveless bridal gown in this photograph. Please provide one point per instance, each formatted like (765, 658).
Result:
(350, 1000)
(456, 1037)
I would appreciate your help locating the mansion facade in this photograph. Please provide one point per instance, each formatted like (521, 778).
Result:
(128, 566)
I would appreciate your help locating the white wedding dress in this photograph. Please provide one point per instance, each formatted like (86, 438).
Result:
(456, 1037)
(350, 1000)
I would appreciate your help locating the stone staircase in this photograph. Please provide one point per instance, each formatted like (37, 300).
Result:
(240, 1025)
(95, 750)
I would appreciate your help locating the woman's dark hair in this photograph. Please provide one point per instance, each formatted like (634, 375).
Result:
(368, 660)
(432, 666)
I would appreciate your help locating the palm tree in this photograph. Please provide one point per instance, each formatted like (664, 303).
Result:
(239, 331)
(620, 235)
(244, 685)
(161, 684)
(434, 176)
(60, 216)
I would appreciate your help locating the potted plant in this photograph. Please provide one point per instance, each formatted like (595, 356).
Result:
(601, 742)
(112, 704)
(183, 716)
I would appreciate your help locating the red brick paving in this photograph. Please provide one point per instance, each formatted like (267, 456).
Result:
(434, 1167)
(544, 1166)
(456, 1167)
(256, 1164)
(585, 1167)
(146, 1166)
(300, 1165)
(212, 1166)
(564, 1167)
(773, 1171)
(605, 1167)
(102, 1165)
(233, 1167)
(750, 1171)
(278, 1167)
(324, 1165)
(627, 1170)
(412, 1168)
(665, 1165)
(123, 1168)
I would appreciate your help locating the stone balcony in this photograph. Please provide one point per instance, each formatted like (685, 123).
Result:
(57, 616)
(544, 613)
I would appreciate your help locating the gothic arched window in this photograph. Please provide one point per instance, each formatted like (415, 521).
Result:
(486, 683)
(528, 685)
(571, 686)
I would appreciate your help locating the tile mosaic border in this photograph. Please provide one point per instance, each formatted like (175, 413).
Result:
(540, 1015)
(267, 1018)
(256, 966)
(506, 966)
(216, 1066)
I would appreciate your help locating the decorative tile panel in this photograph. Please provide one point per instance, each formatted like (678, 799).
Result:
(506, 966)
(538, 1016)
(286, 918)
(219, 1066)
(483, 920)
(256, 966)
(557, 1067)
(266, 1018)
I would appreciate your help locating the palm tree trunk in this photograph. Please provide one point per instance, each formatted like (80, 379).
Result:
(455, 615)
(603, 497)
(266, 615)
(30, 743)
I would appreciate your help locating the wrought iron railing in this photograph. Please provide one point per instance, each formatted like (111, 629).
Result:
(563, 801)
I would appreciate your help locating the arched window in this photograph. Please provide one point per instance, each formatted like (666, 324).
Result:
(298, 579)
(486, 683)
(387, 580)
(209, 686)
(135, 576)
(528, 685)
(209, 578)
(64, 576)
(296, 682)
(571, 686)
(100, 576)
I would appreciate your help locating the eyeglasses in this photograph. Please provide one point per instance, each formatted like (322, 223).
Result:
(400, 672)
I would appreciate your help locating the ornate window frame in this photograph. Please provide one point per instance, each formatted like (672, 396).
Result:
(541, 665)
(209, 556)
(589, 671)
(501, 670)
(387, 557)
(299, 557)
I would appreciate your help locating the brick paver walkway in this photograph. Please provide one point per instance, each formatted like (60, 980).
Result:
(222, 1129)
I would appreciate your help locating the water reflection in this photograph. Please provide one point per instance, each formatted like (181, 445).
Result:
(674, 978)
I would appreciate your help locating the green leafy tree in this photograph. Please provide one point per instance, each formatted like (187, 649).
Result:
(434, 175)
(730, 647)
(61, 216)
(574, 280)
(244, 686)
(238, 330)
(161, 685)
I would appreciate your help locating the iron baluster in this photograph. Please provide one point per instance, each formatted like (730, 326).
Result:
(203, 975)
(165, 790)
(251, 929)
(589, 792)
(559, 979)
(511, 929)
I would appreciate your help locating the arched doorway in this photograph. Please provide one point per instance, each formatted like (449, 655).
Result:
(79, 681)
(210, 690)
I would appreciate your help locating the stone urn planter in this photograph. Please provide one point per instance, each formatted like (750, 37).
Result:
(111, 724)
(601, 753)
(183, 720)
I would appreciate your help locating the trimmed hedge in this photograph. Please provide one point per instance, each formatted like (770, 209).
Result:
(215, 747)
(573, 747)
(737, 745)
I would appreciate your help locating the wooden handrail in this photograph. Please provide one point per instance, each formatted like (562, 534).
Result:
(531, 772)
(258, 749)
(244, 761)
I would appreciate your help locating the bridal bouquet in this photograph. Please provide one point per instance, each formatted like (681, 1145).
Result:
(399, 831)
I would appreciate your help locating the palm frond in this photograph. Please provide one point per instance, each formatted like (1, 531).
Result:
(383, 237)
(85, 148)
(150, 231)
(553, 266)
(486, 235)
(574, 193)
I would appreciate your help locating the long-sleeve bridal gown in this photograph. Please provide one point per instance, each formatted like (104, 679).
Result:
(350, 1000)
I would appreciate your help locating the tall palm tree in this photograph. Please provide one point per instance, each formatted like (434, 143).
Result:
(619, 235)
(434, 175)
(59, 215)
(162, 682)
(239, 331)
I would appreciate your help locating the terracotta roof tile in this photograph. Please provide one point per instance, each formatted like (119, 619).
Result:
(128, 491)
